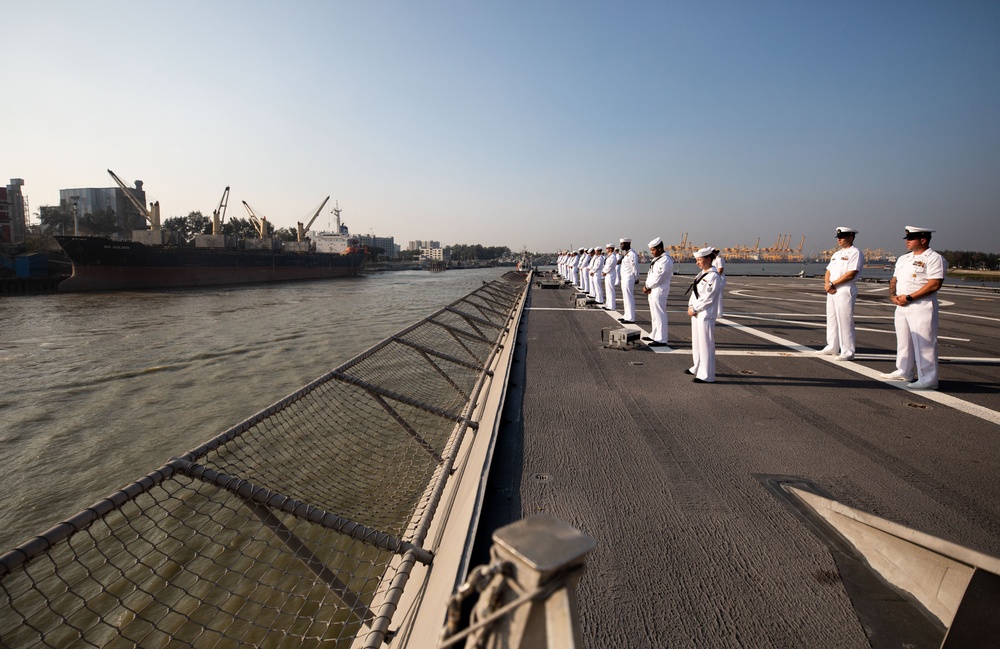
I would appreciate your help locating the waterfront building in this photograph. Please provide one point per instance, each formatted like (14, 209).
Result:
(435, 254)
(12, 212)
(388, 244)
(91, 200)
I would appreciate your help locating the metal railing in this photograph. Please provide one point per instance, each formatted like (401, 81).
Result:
(286, 529)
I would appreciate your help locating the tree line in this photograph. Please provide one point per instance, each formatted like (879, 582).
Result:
(971, 260)
(477, 252)
(59, 219)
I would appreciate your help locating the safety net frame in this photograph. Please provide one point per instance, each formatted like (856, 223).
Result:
(295, 528)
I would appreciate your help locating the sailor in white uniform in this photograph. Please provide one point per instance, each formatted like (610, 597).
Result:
(610, 274)
(913, 289)
(841, 287)
(657, 288)
(585, 270)
(628, 271)
(596, 282)
(719, 264)
(704, 307)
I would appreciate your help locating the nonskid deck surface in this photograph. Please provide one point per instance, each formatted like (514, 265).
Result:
(673, 478)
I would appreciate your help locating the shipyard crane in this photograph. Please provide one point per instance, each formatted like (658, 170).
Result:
(302, 230)
(219, 215)
(259, 222)
(152, 216)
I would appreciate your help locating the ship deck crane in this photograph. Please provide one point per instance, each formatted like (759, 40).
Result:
(219, 215)
(259, 222)
(151, 215)
(302, 230)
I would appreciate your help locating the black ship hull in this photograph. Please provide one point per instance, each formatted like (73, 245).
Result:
(101, 264)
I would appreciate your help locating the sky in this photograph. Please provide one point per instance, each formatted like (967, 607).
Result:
(529, 124)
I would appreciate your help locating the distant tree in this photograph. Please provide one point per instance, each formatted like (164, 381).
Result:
(971, 260)
(408, 255)
(102, 222)
(188, 226)
(56, 219)
(241, 228)
(286, 234)
(477, 252)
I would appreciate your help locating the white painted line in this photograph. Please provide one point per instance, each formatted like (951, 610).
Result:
(823, 326)
(931, 395)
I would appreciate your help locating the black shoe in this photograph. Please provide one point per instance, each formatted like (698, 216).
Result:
(646, 338)
(688, 372)
(697, 380)
(655, 344)
(624, 321)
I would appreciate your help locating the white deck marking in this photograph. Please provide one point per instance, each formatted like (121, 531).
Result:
(931, 395)
(822, 325)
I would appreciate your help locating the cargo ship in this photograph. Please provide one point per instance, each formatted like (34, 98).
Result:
(101, 264)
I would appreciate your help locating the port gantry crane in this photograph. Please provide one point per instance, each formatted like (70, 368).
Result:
(151, 215)
(302, 230)
(219, 215)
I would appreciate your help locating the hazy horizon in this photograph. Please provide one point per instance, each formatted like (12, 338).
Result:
(528, 125)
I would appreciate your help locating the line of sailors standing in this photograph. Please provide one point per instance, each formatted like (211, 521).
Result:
(917, 277)
(596, 272)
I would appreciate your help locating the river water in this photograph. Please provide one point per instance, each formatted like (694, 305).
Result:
(101, 388)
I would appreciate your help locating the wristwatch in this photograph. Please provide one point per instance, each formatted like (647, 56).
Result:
(909, 298)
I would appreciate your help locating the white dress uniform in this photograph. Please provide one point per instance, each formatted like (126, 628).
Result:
(719, 264)
(661, 270)
(596, 283)
(610, 272)
(629, 271)
(585, 272)
(840, 305)
(574, 259)
(706, 302)
(917, 322)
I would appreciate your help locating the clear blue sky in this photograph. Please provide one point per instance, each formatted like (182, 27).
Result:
(523, 123)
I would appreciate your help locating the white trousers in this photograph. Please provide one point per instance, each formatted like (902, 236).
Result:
(584, 284)
(628, 297)
(840, 318)
(658, 312)
(611, 295)
(916, 339)
(597, 284)
(703, 347)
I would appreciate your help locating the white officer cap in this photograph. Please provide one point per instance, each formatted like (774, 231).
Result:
(914, 232)
(845, 231)
(705, 252)
(656, 242)
(624, 240)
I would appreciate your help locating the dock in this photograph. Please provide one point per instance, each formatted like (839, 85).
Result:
(680, 483)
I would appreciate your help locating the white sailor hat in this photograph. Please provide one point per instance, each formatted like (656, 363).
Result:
(582, 250)
(624, 240)
(609, 245)
(656, 242)
(914, 232)
(705, 252)
(845, 231)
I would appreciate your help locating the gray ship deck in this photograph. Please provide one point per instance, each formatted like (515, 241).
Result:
(672, 477)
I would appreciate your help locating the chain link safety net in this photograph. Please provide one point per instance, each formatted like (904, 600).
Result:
(294, 528)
